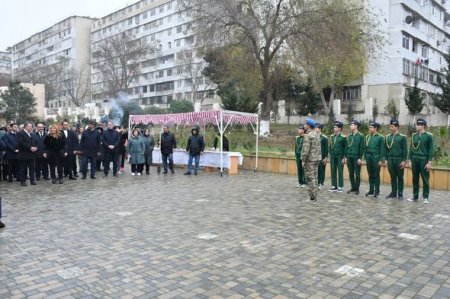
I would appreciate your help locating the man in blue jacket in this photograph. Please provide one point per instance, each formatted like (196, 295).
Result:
(195, 146)
(90, 149)
(10, 141)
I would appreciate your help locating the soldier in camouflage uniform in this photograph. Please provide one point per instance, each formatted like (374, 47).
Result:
(374, 155)
(396, 154)
(311, 157)
(298, 159)
(421, 153)
(323, 164)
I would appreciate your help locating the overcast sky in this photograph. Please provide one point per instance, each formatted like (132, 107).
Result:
(22, 18)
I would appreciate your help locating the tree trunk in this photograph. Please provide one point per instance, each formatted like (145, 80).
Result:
(326, 108)
(267, 102)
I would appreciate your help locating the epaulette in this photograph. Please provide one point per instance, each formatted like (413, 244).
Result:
(429, 133)
(400, 134)
(343, 135)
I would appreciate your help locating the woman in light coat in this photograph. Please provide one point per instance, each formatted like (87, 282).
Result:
(136, 151)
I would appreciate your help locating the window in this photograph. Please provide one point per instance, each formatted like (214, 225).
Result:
(160, 74)
(179, 29)
(152, 12)
(406, 67)
(351, 93)
(178, 43)
(405, 41)
(152, 87)
(144, 89)
(161, 9)
(424, 51)
(169, 72)
(169, 45)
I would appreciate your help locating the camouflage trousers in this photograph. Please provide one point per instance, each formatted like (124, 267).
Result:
(311, 174)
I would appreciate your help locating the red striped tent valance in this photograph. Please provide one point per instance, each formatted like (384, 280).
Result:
(193, 118)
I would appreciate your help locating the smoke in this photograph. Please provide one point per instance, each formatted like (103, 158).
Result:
(117, 107)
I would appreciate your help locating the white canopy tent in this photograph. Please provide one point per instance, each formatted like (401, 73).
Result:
(221, 118)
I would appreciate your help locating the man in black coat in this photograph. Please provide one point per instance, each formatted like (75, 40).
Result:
(41, 161)
(168, 143)
(111, 142)
(89, 149)
(26, 144)
(70, 151)
(10, 142)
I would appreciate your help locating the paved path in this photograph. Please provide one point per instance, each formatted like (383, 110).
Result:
(253, 235)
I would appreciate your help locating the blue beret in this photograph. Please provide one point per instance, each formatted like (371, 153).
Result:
(310, 122)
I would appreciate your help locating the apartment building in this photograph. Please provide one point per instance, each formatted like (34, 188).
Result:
(169, 71)
(418, 35)
(5, 63)
(45, 56)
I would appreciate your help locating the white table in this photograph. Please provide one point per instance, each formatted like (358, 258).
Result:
(231, 160)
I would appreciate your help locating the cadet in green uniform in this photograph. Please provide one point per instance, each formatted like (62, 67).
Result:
(396, 153)
(374, 154)
(353, 155)
(420, 155)
(298, 157)
(338, 142)
(324, 149)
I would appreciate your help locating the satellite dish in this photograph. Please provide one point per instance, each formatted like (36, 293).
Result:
(409, 19)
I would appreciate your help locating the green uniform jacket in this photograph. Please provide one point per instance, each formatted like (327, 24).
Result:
(338, 143)
(298, 145)
(375, 146)
(324, 144)
(396, 146)
(355, 146)
(422, 146)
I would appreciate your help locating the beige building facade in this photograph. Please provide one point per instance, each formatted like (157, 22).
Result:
(48, 56)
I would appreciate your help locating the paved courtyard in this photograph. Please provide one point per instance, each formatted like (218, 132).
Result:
(252, 235)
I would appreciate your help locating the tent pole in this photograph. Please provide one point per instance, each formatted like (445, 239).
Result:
(257, 145)
(221, 143)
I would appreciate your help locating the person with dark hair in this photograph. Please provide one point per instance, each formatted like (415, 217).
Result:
(111, 141)
(41, 161)
(55, 144)
(168, 143)
(26, 144)
(2, 225)
(70, 151)
(421, 153)
(10, 141)
(195, 147)
(354, 153)
(396, 155)
(136, 150)
(338, 143)
(89, 149)
(101, 154)
(122, 148)
(374, 154)
(298, 157)
(149, 145)
(3, 165)
(324, 149)
(225, 146)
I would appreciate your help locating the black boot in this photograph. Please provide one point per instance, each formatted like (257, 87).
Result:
(53, 180)
(61, 180)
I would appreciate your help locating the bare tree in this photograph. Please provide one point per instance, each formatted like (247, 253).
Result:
(118, 59)
(76, 83)
(266, 26)
(191, 68)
